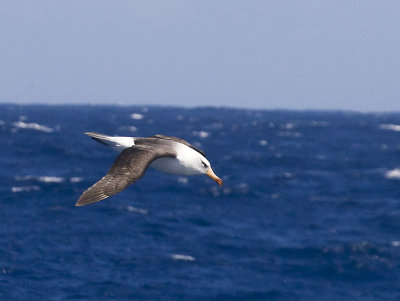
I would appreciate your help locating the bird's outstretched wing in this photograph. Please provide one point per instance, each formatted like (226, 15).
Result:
(129, 166)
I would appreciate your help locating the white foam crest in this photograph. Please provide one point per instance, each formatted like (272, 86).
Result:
(201, 134)
(393, 174)
(289, 134)
(48, 179)
(137, 210)
(183, 180)
(395, 243)
(24, 188)
(32, 126)
(183, 257)
(128, 128)
(75, 179)
(390, 127)
(215, 191)
(289, 126)
(45, 179)
(275, 196)
(263, 142)
(319, 123)
(24, 178)
(243, 187)
(137, 116)
(217, 125)
(227, 190)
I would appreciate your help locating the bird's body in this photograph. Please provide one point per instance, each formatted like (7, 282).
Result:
(164, 153)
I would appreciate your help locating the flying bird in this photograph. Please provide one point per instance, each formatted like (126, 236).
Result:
(164, 153)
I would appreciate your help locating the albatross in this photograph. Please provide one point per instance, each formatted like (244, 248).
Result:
(164, 153)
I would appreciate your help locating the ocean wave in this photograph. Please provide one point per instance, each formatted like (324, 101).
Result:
(239, 189)
(182, 257)
(289, 134)
(75, 179)
(319, 123)
(391, 127)
(137, 116)
(201, 134)
(44, 179)
(32, 126)
(131, 129)
(137, 210)
(217, 125)
(289, 126)
(47, 179)
(24, 188)
(393, 174)
(395, 243)
(183, 180)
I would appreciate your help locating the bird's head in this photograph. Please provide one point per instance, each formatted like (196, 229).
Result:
(205, 168)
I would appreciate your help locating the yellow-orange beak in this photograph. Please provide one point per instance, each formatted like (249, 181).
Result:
(213, 176)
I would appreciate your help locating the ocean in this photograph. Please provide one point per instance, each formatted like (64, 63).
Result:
(309, 210)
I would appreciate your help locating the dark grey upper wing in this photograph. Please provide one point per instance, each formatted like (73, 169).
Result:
(129, 166)
(180, 141)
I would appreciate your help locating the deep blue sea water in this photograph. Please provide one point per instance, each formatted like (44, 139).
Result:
(310, 208)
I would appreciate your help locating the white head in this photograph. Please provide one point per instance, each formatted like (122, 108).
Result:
(191, 162)
(205, 167)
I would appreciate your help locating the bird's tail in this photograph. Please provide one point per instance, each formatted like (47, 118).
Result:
(117, 143)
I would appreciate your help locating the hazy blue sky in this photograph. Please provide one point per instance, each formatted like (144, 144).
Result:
(316, 54)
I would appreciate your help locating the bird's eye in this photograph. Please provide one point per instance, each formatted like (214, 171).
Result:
(204, 164)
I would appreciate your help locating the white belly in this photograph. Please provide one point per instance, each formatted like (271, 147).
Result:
(173, 166)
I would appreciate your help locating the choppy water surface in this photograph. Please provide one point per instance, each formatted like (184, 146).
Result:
(310, 209)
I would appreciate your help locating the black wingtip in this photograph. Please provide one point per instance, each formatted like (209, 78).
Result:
(88, 198)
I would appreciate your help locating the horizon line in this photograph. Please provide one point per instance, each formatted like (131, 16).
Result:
(233, 107)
